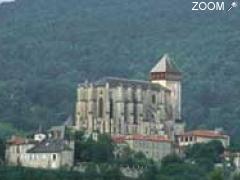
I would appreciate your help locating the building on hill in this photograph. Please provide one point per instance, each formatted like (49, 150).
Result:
(50, 154)
(154, 147)
(39, 152)
(202, 136)
(17, 147)
(122, 106)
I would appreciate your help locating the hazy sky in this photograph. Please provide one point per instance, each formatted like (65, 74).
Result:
(1, 1)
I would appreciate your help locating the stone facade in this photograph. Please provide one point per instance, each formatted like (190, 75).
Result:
(46, 154)
(122, 106)
(152, 146)
(15, 148)
(49, 160)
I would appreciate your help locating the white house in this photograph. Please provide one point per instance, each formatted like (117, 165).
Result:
(202, 136)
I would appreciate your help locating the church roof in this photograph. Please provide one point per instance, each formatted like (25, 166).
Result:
(50, 146)
(114, 81)
(165, 65)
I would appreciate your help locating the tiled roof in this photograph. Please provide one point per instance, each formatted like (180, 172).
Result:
(155, 138)
(165, 64)
(118, 139)
(50, 146)
(205, 133)
(139, 137)
(16, 140)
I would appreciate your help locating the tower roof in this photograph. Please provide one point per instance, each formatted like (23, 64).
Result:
(165, 65)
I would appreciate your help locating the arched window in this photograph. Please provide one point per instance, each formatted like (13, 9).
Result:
(100, 108)
(135, 120)
(111, 108)
(154, 99)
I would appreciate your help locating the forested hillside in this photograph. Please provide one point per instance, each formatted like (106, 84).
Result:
(48, 46)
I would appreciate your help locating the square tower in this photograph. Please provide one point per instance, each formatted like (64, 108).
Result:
(167, 74)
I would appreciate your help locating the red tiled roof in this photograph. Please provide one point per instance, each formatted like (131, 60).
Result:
(16, 140)
(119, 139)
(155, 138)
(139, 137)
(205, 133)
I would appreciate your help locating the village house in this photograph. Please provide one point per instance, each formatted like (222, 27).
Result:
(16, 148)
(39, 152)
(50, 154)
(202, 136)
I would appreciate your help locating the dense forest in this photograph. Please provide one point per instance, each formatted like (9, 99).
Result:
(47, 47)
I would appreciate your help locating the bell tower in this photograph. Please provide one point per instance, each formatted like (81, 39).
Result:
(167, 74)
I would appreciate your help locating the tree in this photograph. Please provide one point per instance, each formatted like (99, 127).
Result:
(94, 151)
(216, 175)
(236, 176)
(171, 159)
(205, 154)
(2, 150)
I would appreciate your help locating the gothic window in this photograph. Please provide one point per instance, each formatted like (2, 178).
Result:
(100, 108)
(119, 127)
(111, 108)
(135, 114)
(104, 127)
(154, 99)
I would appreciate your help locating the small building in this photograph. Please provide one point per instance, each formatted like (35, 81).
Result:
(50, 154)
(152, 146)
(39, 152)
(202, 136)
(16, 148)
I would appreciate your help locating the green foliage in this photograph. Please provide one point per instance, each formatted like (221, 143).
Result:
(101, 164)
(173, 168)
(95, 151)
(206, 154)
(48, 46)
(2, 151)
(183, 171)
(171, 159)
(6, 130)
(19, 173)
(236, 177)
(133, 159)
(216, 175)
(197, 165)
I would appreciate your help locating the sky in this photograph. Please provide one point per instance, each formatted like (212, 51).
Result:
(2, 1)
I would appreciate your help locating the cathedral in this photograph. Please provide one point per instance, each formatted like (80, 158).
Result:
(123, 107)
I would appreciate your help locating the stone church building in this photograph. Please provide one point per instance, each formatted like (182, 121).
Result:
(123, 106)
